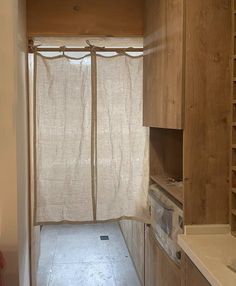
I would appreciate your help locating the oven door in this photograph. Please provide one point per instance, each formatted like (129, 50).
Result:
(166, 220)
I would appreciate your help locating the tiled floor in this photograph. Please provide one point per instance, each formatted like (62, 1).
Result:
(74, 255)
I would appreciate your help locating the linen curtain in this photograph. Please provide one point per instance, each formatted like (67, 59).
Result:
(64, 142)
(122, 142)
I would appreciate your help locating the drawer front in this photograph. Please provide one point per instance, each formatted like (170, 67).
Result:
(160, 270)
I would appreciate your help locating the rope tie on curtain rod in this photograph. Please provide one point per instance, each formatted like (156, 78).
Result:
(89, 48)
(62, 49)
(93, 47)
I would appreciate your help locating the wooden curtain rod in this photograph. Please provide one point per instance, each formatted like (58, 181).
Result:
(85, 49)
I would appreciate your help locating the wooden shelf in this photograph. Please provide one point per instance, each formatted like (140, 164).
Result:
(234, 168)
(234, 78)
(233, 146)
(171, 188)
(234, 124)
(234, 101)
(234, 190)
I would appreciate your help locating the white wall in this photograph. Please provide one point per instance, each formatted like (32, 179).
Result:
(13, 143)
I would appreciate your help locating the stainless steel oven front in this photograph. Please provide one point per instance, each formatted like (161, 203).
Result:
(166, 220)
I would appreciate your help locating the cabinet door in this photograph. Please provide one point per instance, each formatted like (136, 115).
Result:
(160, 270)
(163, 54)
(192, 276)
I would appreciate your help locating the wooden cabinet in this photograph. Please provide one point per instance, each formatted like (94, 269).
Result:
(160, 270)
(187, 47)
(207, 111)
(182, 52)
(191, 276)
(163, 62)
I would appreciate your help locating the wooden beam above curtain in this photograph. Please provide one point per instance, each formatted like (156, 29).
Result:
(85, 17)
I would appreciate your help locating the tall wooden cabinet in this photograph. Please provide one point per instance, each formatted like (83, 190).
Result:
(207, 111)
(187, 104)
(187, 48)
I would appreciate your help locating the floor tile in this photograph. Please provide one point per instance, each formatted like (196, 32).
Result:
(82, 249)
(49, 236)
(43, 277)
(75, 255)
(82, 274)
(125, 273)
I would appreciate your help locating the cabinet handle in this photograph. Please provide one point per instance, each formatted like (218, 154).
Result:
(178, 255)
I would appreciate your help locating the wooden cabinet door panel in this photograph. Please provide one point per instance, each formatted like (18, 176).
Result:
(192, 276)
(160, 270)
(163, 56)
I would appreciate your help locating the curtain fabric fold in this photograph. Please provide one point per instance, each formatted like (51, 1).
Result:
(71, 119)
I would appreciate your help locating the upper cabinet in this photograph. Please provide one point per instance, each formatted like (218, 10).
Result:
(163, 64)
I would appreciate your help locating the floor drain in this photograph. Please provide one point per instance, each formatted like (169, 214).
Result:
(104, 237)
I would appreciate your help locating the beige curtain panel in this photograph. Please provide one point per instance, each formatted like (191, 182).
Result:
(91, 151)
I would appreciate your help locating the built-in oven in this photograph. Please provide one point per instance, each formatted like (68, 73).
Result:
(166, 221)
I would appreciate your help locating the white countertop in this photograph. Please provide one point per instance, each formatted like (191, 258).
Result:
(211, 249)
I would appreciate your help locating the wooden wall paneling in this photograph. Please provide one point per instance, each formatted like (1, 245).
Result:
(160, 270)
(207, 111)
(156, 158)
(233, 118)
(133, 232)
(163, 48)
(85, 17)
